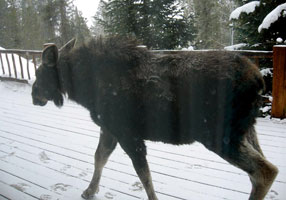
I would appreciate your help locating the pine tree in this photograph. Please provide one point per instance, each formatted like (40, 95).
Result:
(99, 19)
(3, 23)
(159, 24)
(30, 23)
(225, 7)
(212, 23)
(49, 21)
(80, 29)
(65, 16)
(11, 36)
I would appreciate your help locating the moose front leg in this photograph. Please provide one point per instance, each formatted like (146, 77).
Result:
(106, 145)
(136, 150)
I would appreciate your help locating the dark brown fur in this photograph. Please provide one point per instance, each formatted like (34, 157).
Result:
(210, 97)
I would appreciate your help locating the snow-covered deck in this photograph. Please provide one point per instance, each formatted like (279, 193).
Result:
(47, 153)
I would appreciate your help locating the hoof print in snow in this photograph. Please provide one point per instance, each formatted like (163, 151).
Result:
(65, 168)
(273, 195)
(45, 197)
(20, 186)
(137, 186)
(82, 174)
(109, 195)
(195, 166)
(44, 157)
(8, 155)
(60, 187)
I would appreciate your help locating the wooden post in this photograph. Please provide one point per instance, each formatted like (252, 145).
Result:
(279, 82)
(48, 44)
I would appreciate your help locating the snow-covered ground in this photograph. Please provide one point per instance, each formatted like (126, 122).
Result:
(47, 153)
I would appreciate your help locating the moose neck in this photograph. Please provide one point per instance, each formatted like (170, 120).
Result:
(76, 79)
(65, 78)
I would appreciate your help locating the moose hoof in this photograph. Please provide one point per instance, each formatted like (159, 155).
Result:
(87, 194)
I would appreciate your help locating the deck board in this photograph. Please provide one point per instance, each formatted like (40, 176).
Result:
(47, 153)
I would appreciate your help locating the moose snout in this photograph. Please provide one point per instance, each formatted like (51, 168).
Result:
(39, 102)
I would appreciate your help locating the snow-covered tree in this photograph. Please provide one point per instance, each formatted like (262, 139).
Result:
(260, 24)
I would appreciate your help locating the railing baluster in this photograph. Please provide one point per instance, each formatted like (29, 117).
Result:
(28, 67)
(8, 63)
(3, 70)
(35, 66)
(21, 66)
(14, 66)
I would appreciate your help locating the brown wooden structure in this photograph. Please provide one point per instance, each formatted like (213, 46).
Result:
(279, 82)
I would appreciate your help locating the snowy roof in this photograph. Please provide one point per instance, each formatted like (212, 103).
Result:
(246, 8)
(272, 17)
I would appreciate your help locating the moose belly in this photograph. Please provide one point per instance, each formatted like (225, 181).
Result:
(180, 122)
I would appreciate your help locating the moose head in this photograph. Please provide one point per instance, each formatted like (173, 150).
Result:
(47, 86)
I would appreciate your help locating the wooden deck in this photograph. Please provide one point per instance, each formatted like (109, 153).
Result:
(47, 153)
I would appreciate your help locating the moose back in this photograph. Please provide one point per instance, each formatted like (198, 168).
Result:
(134, 95)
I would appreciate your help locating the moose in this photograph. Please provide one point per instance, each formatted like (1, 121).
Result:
(136, 95)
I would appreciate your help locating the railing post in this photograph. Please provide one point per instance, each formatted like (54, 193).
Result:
(279, 82)
(48, 44)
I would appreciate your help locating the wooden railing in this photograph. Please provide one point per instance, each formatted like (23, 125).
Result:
(251, 54)
(279, 65)
(12, 58)
(16, 67)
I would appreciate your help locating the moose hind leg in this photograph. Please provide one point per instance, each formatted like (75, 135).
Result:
(106, 145)
(136, 150)
(248, 158)
(253, 140)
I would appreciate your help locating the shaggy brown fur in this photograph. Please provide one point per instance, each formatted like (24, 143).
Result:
(210, 97)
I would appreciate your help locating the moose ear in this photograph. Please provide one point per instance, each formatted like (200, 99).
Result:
(68, 46)
(50, 56)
